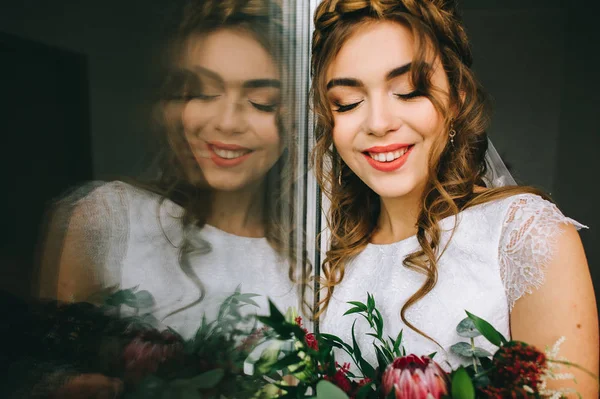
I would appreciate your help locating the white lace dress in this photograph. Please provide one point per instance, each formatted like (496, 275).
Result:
(128, 238)
(496, 255)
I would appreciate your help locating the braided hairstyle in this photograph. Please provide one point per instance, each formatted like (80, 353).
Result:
(180, 178)
(454, 171)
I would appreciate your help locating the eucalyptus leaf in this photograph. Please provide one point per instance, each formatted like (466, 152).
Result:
(465, 349)
(327, 390)
(462, 386)
(143, 299)
(121, 297)
(466, 328)
(462, 349)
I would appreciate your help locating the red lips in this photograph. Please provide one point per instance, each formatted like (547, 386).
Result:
(392, 165)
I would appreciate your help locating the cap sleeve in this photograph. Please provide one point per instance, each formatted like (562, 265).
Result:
(530, 231)
(86, 239)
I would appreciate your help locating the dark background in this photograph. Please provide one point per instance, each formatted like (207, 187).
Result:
(77, 85)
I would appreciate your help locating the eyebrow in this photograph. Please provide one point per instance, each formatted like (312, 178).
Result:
(259, 83)
(352, 82)
(249, 84)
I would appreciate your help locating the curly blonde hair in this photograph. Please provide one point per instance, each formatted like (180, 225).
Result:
(455, 171)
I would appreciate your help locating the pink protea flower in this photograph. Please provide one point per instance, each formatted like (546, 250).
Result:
(150, 350)
(414, 377)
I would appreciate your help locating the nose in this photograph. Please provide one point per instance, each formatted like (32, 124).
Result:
(231, 119)
(381, 119)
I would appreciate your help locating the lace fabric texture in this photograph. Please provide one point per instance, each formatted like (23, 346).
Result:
(497, 254)
(530, 231)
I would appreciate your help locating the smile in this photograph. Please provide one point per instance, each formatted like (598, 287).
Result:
(388, 158)
(228, 155)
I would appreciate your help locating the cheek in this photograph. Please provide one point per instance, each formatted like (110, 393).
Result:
(267, 133)
(195, 116)
(426, 120)
(344, 132)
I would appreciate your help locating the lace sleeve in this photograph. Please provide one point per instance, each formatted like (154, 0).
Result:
(86, 239)
(530, 231)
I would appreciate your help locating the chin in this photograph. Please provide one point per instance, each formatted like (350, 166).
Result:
(393, 187)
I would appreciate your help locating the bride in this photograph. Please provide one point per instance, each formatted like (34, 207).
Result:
(401, 122)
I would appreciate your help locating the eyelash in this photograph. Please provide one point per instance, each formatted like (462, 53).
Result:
(349, 107)
(202, 97)
(409, 96)
(345, 108)
(264, 107)
(261, 107)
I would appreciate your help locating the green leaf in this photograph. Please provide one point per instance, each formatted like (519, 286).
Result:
(381, 359)
(462, 349)
(379, 323)
(432, 355)
(397, 344)
(353, 310)
(466, 328)
(247, 298)
(143, 299)
(285, 361)
(336, 339)
(206, 380)
(151, 387)
(275, 314)
(462, 386)
(370, 303)
(365, 390)
(465, 349)
(487, 330)
(327, 390)
(355, 346)
(121, 297)
(358, 305)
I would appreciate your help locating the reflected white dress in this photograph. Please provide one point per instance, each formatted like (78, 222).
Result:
(496, 255)
(128, 237)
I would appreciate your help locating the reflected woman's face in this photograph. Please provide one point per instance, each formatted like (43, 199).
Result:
(229, 119)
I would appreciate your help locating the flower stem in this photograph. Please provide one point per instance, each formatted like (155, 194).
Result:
(474, 358)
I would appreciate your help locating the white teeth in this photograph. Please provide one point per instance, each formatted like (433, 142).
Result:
(228, 154)
(388, 156)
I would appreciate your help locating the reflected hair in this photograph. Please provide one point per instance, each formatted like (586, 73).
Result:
(180, 178)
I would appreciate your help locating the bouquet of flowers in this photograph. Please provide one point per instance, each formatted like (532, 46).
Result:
(116, 338)
(515, 370)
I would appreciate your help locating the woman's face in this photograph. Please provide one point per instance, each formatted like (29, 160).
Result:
(383, 129)
(229, 119)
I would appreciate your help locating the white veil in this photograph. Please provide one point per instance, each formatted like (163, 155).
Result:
(497, 174)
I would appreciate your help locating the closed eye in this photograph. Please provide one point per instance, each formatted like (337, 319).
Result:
(202, 97)
(345, 107)
(409, 96)
(264, 107)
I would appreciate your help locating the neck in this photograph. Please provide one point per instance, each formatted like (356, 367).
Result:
(398, 218)
(239, 212)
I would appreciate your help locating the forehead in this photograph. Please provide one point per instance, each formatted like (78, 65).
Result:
(235, 55)
(372, 50)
